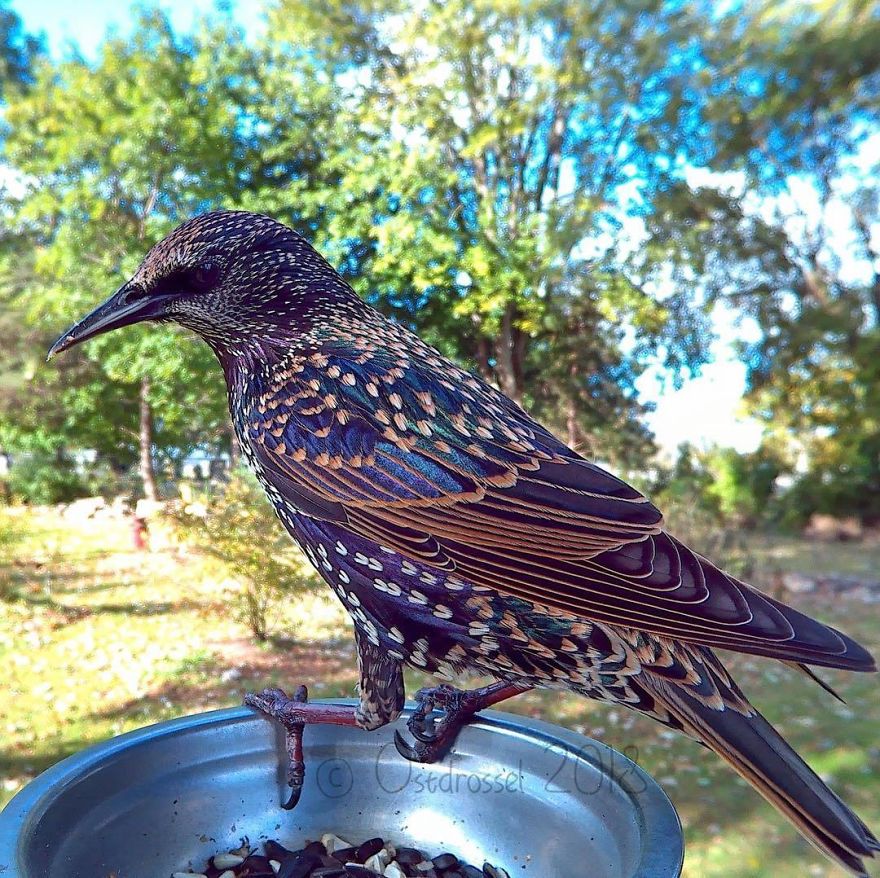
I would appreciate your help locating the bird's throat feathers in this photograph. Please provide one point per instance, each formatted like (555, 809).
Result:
(330, 320)
(295, 317)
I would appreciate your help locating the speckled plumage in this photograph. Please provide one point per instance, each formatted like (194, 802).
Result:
(460, 534)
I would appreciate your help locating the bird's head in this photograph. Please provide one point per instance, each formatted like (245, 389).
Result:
(234, 277)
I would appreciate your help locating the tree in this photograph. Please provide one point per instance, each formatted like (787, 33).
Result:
(500, 149)
(515, 181)
(18, 51)
(743, 485)
(116, 153)
(788, 237)
(100, 145)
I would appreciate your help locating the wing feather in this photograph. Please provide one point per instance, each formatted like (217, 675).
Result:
(460, 478)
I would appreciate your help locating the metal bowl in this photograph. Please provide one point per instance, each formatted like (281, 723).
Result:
(534, 798)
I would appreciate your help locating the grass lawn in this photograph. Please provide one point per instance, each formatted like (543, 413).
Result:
(96, 639)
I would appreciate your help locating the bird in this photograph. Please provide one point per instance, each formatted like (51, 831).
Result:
(461, 535)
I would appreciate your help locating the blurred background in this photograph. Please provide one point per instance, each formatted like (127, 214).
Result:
(654, 224)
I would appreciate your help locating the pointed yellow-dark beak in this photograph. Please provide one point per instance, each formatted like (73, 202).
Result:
(126, 306)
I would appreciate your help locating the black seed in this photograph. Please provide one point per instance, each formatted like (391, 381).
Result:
(315, 849)
(368, 848)
(409, 856)
(255, 866)
(276, 851)
(345, 855)
(298, 866)
(313, 861)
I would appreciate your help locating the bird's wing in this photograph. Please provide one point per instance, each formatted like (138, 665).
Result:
(441, 468)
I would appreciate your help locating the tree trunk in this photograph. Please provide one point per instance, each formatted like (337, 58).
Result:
(571, 416)
(145, 435)
(873, 256)
(571, 424)
(484, 365)
(510, 352)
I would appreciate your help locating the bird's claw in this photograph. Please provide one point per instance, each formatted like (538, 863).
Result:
(443, 697)
(419, 735)
(270, 701)
(433, 739)
(407, 751)
(426, 751)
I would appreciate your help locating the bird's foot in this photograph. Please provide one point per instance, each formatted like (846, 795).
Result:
(433, 739)
(295, 714)
(434, 736)
(275, 703)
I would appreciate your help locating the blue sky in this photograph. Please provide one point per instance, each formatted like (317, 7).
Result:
(706, 410)
(86, 22)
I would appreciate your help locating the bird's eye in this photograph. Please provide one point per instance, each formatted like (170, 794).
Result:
(205, 276)
(133, 292)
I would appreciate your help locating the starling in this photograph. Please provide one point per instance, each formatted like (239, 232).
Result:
(460, 534)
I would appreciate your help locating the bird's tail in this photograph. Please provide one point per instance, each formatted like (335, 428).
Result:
(760, 755)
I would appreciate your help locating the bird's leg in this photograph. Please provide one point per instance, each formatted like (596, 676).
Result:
(294, 714)
(381, 700)
(432, 740)
(380, 687)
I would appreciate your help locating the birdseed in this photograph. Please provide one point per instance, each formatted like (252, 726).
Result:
(333, 857)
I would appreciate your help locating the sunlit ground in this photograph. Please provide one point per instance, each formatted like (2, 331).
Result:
(96, 639)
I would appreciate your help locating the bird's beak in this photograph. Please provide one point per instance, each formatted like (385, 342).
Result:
(117, 311)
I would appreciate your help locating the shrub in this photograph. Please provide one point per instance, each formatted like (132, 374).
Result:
(44, 479)
(239, 527)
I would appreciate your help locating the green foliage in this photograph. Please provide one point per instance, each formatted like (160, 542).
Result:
(240, 528)
(720, 488)
(790, 242)
(45, 479)
(46, 411)
(843, 479)
(18, 51)
(683, 483)
(117, 153)
(114, 154)
(744, 485)
(517, 181)
(482, 189)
